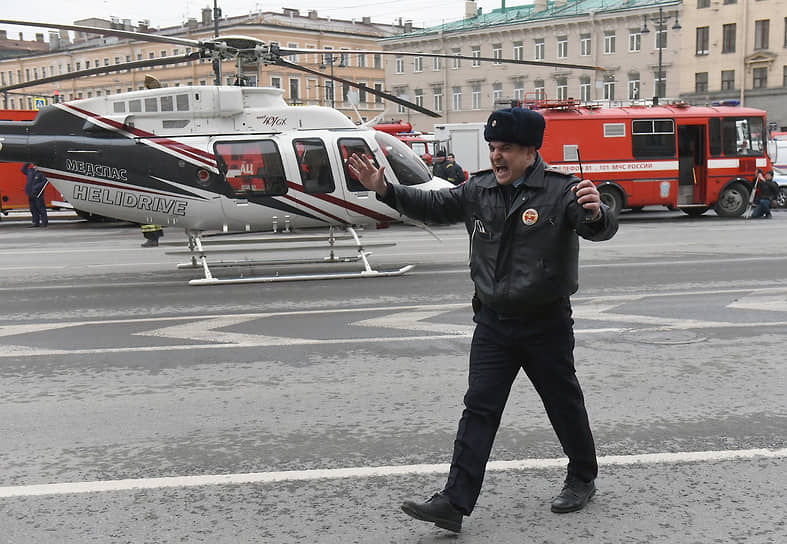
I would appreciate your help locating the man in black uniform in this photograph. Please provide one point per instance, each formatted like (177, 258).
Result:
(447, 169)
(523, 220)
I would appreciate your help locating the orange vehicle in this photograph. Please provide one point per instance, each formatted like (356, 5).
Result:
(691, 158)
(12, 180)
(422, 144)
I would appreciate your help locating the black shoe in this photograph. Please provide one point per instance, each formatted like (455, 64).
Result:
(149, 243)
(574, 496)
(437, 510)
(34, 225)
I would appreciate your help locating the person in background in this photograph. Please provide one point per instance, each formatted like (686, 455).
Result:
(151, 233)
(768, 190)
(524, 221)
(34, 187)
(447, 169)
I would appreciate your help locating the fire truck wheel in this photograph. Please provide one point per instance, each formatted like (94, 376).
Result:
(781, 198)
(733, 201)
(612, 198)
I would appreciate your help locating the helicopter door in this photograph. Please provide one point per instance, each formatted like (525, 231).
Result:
(254, 170)
(356, 194)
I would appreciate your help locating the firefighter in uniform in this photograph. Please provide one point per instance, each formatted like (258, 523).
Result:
(447, 169)
(151, 233)
(523, 220)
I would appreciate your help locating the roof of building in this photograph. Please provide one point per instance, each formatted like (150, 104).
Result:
(554, 9)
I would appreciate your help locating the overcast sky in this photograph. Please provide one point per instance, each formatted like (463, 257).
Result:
(164, 13)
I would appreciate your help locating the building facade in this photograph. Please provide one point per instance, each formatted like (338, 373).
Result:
(616, 35)
(736, 50)
(289, 29)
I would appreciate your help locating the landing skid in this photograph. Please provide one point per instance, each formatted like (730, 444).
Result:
(199, 259)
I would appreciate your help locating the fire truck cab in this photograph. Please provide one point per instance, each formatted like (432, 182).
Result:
(691, 158)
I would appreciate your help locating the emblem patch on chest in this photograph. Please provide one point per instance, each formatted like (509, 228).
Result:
(529, 216)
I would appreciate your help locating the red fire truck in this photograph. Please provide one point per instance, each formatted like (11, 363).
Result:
(422, 144)
(12, 180)
(683, 157)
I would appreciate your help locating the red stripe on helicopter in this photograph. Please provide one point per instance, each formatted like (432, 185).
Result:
(207, 159)
(316, 209)
(343, 203)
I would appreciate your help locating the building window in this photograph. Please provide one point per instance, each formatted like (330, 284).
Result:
(761, 29)
(437, 91)
(456, 98)
(701, 82)
(476, 96)
(584, 88)
(562, 88)
(378, 61)
(497, 52)
(703, 4)
(399, 64)
(456, 62)
(497, 93)
(727, 80)
(539, 89)
(703, 33)
(730, 1)
(519, 51)
(784, 76)
(276, 82)
(418, 64)
(759, 78)
(519, 89)
(476, 53)
(660, 84)
(785, 32)
(345, 59)
(635, 40)
(728, 38)
(634, 87)
(661, 39)
(295, 90)
(584, 45)
(609, 87)
(609, 42)
(538, 53)
(361, 60)
(437, 63)
(562, 47)
(419, 97)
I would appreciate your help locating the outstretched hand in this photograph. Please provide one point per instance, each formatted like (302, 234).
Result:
(370, 177)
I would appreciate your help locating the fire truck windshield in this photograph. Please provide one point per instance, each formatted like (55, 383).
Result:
(408, 167)
(743, 136)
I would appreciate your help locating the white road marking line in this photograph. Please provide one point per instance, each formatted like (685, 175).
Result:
(369, 472)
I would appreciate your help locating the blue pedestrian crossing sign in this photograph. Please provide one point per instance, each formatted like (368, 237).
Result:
(39, 102)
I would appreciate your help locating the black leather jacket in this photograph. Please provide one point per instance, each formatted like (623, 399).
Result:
(522, 259)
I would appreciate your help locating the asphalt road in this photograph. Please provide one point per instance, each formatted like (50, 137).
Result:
(137, 408)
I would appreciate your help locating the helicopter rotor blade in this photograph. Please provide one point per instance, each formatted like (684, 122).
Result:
(105, 70)
(294, 51)
(112, 32)
(381, 94)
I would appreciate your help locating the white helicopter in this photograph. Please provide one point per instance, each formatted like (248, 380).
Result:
(216, 158)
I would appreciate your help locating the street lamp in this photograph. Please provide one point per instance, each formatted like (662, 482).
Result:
(330, 60)
(661, 27)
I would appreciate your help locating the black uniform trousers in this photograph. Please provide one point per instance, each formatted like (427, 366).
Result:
(541, 343)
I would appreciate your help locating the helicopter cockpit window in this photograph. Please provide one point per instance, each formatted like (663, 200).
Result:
(408, 167)
(252, 168)
(314, 166)
(348, 146)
